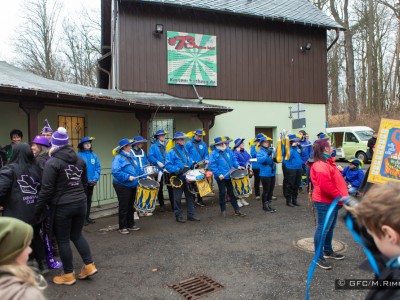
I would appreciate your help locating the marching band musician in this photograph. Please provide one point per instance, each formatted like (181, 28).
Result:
(243, 159)
(126, 172)
(267, 172)
(178, 163)
(256, 165)
(198, 151)
(138, 152)
(157, 156)
(221, 164)
(292, 171)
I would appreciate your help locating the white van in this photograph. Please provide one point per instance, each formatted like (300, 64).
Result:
(351, 141)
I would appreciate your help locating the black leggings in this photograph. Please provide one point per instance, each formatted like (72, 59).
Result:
(68, 224)
(256, 182)
(268, 184)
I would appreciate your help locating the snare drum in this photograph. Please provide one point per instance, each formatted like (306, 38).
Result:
(151, 171)
(241, 183)
(146, 195)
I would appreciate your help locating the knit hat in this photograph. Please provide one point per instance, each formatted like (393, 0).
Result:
(60, 137)
(46, 127)
(15, 236)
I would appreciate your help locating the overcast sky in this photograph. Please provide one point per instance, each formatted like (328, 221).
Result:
(11, 16)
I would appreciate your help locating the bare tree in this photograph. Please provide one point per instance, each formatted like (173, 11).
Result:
(348, 39)
(36, 40)
(82, 49)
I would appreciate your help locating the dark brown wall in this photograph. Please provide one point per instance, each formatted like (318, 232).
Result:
(256, 59)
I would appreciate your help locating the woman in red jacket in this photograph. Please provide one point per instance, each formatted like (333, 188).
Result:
(328, 184)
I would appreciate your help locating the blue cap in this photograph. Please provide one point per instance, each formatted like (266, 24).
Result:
(122, 143)
(199, 132)
(179, 135)
(138, 139)
(323, 136)
(160, 132)
(238, 142)
(293, 137)
(85, 140)
(219, 140)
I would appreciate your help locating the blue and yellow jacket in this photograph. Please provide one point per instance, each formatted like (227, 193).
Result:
(157, 153)
(221, 163)
(267, 164)
(176, 163)
(92, 164)
(253, 153)
(294, 162)
(354, 177)
(123, 166)
(197, 150)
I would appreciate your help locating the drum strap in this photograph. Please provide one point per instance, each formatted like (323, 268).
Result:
(196, 145)
(227, 161)
(185, 163)
(162, 150)
(133, 163)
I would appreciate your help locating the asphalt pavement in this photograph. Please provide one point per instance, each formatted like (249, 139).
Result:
(253, 257)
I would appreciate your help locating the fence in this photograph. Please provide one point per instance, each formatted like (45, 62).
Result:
(104, 192)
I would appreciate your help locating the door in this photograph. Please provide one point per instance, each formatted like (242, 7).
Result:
(350, 145)
(337, 143)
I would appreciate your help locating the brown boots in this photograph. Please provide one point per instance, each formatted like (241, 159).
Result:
(69, 279)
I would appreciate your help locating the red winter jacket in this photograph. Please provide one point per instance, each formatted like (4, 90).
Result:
(327, 181)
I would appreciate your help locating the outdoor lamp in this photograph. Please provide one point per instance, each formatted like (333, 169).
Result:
(306, 47)
(159, 29)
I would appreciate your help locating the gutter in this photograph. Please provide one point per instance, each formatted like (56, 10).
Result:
(335, 40)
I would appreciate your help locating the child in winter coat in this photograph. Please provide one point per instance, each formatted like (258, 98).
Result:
(353, 175)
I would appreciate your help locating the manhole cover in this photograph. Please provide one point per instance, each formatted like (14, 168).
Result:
(196, 287)
(307, 244)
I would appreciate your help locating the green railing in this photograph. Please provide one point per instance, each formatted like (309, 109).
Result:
(104, 192)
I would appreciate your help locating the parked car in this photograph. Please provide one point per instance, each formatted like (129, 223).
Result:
(351, 141)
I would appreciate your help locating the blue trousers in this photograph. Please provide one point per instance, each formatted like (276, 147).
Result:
(223, 187)
(322, 209)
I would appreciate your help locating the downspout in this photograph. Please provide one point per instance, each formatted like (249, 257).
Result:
(114, 44)
(108, 73)
(334, 41)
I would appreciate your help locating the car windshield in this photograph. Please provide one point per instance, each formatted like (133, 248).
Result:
(364, 135)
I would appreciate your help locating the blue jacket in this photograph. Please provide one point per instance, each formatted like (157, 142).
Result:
(123, 166)
(295, 162)
(176, 163)
(353, 177)
(221, 163)
(267, 164)
(92, 164)
(193, 147)
(140, 157)
(253, 153)
(157, 153)
(242, 157)
(306, 150)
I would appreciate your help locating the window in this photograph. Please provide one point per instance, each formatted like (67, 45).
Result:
(350, 137)
(166, 124)
(364, 135)
(75, 126)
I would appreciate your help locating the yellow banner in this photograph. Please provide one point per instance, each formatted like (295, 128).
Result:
(385, 165)
(203, 187)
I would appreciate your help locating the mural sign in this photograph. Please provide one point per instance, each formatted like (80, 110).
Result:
(385, 164)
(192, 58)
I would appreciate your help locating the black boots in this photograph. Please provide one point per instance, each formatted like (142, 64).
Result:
(267, 207)
(294, 201)
(289, 202)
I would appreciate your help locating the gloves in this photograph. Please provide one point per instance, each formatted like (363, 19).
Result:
(269, 152)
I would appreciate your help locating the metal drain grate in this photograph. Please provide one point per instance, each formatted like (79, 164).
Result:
(196, 287)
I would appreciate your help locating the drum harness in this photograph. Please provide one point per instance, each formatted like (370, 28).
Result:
(173, 178)
(139, 156)
(134, 164)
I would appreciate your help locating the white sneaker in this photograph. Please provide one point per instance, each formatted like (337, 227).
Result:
(239, 203)
(257, 197)
(135, 216)
(244, 202)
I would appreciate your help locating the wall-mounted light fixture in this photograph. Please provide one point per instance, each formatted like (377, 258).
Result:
(159, 29)
(306, 47)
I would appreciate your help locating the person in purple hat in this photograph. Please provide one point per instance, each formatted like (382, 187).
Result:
(47, 132)
(93, 169)
(40, 147)
(157, 157)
